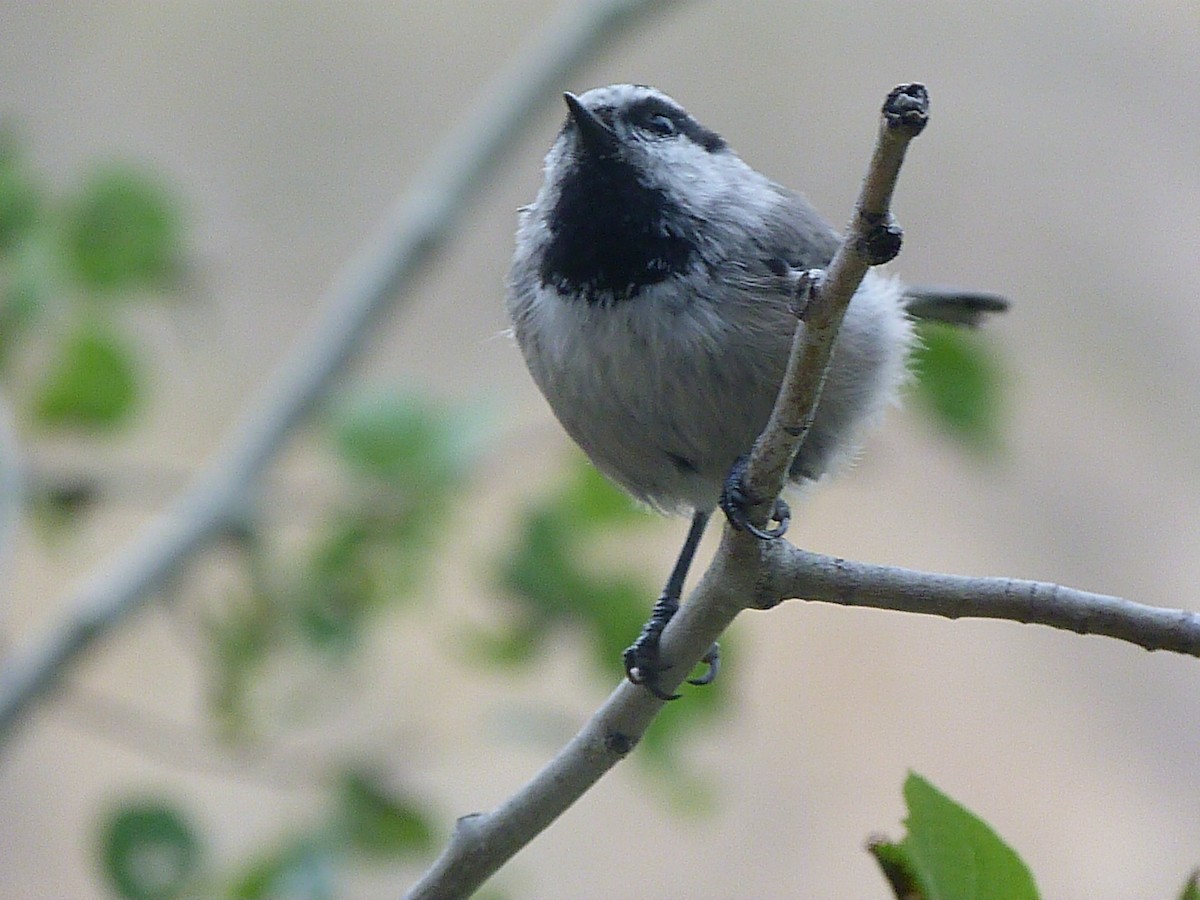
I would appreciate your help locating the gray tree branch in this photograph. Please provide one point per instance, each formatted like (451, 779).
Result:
(368, 286)
(792, 573)
(870, 240)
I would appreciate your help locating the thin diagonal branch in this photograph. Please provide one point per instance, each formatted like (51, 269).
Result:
(368, 286)
(871, 239)
(799, 574)
(483, 842)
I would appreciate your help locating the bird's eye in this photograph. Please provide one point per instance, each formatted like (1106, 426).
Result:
(659, 124)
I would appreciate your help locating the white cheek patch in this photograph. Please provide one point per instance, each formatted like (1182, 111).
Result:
(709, 184)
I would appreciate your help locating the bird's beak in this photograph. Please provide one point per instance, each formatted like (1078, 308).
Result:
(595, 135)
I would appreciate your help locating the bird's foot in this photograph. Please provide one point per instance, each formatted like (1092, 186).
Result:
(736, 502)
(644, 664)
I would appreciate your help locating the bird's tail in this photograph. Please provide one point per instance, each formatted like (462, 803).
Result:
(951, 305)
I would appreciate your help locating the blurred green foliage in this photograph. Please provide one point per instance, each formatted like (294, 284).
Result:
(1191, 888)
(93, 383)
(546, 572)
(149, 851)
(122, 232)
(377, 824)
(960, 385)
(408, 444)
(364, 820)
(73, 261)
(555, 580)
(407, 461)
(116, 236)
(949, 853)
(20, 197)
(302, 869)
(21, 210)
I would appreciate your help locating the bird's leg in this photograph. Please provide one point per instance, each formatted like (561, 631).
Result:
(735, 501)
(643, 661)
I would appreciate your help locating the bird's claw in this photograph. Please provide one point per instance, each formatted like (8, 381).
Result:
(644, 665)
(736, 501)
(712, 659)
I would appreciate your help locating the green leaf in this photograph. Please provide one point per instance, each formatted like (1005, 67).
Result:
(951, 854)
(379, 824)
(548, 575)
(20, 198)
(897, 869)
(547, 570)
(1191, 889)
(29, 282)
(92, 384)
(516, 645)
(368, 559)
(406, 441)
(300, 871)
(339, 588)
(123, 232)
(959, 382)
(149, 852)
(240, 643)
(595, 501)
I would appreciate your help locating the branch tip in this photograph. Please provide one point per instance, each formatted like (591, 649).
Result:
(907, 108)
(872, 238)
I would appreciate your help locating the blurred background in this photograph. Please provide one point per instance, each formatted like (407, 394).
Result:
(1060, 169)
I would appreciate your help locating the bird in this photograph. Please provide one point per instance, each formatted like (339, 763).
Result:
(651, 294)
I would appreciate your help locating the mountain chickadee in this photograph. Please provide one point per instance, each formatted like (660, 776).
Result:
(650, 295)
